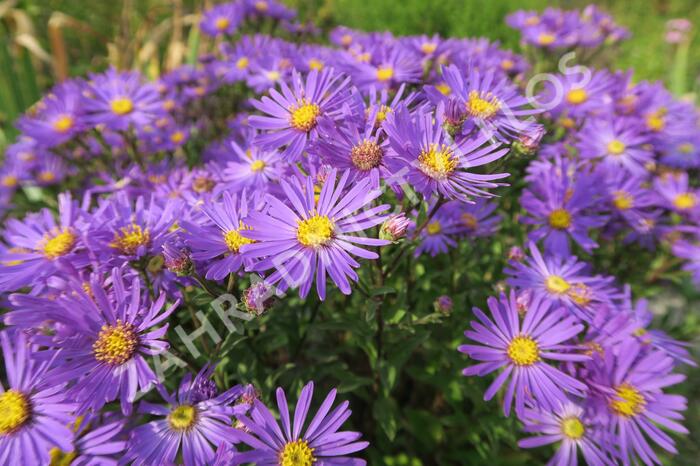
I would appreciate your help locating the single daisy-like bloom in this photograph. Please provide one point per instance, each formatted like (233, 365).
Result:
(475, 220)
(294, 113)
(252, 168)
(119, 100)
(190, 425)
(113, 334)
(296, 442)
(439, 234)
(630, 381)
(222, 19)
(97, 442)
(390, 66)
(39, 246)
(34, 415)
(570, 427)
(576, 95)
(432, 163)
(690, 251)
(523, 350)
(628, 196)
(617, 143)
(677, 194)
(682, 151)
(309, 236)
(218, 242)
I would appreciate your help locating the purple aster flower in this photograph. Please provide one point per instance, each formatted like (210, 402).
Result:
(313, 236)
(188, 425)
(294, 444)
(522, 348)
(576, 95)
(253, 168)
(691, 252)
(222, 19)
(119, 100)
(268, 8)
(476, 220)
(388, 67)
(439, 234)
(97, 442)
(35, 414)
(294, 113)
(433, 164)
(219, 242)
(617, 143)
(677, 194)
(682, 151)
(628, 196)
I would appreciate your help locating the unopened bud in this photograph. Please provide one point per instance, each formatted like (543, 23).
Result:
(394, 228)
(443, 304)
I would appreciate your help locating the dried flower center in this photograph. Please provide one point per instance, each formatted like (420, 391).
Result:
(366, 155)
(523, 351)
(315, 231)
(59, 244)
(482, 105)
(546, 39)
(234, 240)
(577, 96)
(129, 238)
(437, 162)
(434, 228)
(258, 165)
(622, 200)
(116, 344)
(560, 219)
(242, 63)
(573, 428)
(63, 124)
(315, 64)
(556, 284)
(685, 201)
(385, 73)
(616, 147)
(183, 417)
(304, 116)
(221, 23)
(122, 106)
(297, 453)
(580, 294)
(628, 402)
(15, 410)
(469, 221)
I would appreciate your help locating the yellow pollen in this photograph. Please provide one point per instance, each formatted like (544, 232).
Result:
(523, 351)
(261, 5)
(177, 137)
(622, 200)
(437, 162)
(315, 231)
(183, 417)
(560, 219)
(346, 40)
(628, 401)
(257, 165)
(469, 221)
(203, 184)
(63, 124)
(242, 63)
(385, 73)
(59, 244)
(366, 155)
(444, 89)
(234, 240)
(169, 104)
(304, 116)
(567, 122)
(656, 121)
(122, 106)
(273, 75)
(221, 23)
(116, 344)
(532, 21)
(686, 148)
(47, 176)
(130, 238)
(639, 332)
(556, 284)
(363, 57)
(580, 294)
(616, 147)
(382, 113)
(297, 453)
(685, 201)
(573, 428)
(10, 181)
(577, 96)
(434, 228)
(546, 39)
(428, 47)
(15, 410)
(482, 105)
(507, 64)
(315, 64)
(61, 458)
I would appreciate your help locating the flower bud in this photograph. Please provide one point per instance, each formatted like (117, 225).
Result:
(394, 228)
(258, 298)
(443, 304)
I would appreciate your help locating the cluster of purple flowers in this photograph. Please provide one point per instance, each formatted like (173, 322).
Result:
(340, 151)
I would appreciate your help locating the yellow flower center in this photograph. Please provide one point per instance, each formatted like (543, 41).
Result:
(573, 428)
(203, 184)
(221, 23)
(382, 113)
(59, 244)
(242, 63)
(47, 176)
(366, 155)
(560, 219)
(546, 39)
(346, 39)
(130, 238)
(428, 47)
(622, 200)
(523, 351)
(532, 21)
(63, 124)
(434, 227)
(116, 344)
(304, 116)
(685, 201)
(183, 417)
(61, 458)
(628, 401)
(616, 147)
(257, 165)
(655, 121)
(556, 284)
(297, 453)
(9, 181)
(437, 162)
(234, 240)
(507, 64)
(385, 73)
(315, 64)
(482, 105)
(122, 106)
(15, 410)
(177, 137)
(443, 88)
(686, 148)
(577, 96)
(581, 294)
(261, 5)
(315, 231)
(273, 75)
(469, 221)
